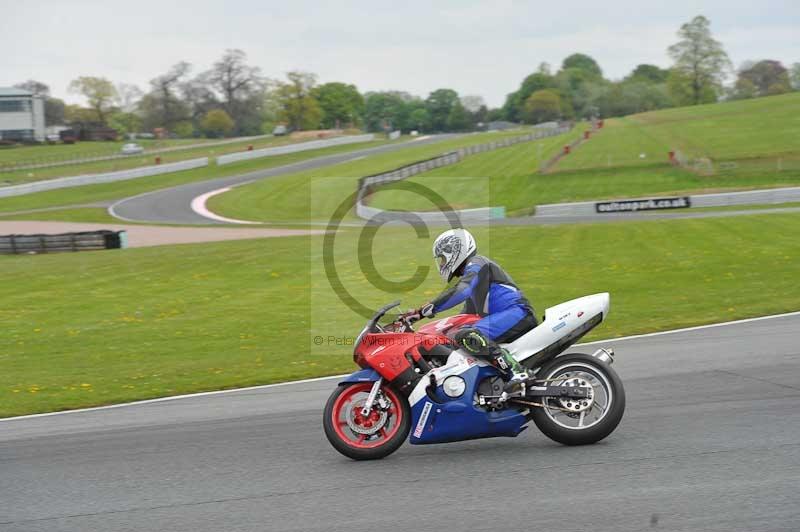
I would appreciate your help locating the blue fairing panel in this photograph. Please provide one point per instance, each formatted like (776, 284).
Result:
(363, 375)
(447, 420)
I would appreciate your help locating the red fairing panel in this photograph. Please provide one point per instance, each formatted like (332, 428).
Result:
(386, 352)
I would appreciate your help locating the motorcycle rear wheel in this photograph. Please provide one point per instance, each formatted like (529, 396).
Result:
(370, 437)
(590, 425)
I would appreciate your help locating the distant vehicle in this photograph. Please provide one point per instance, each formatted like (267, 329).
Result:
(131, 149)
(68, 136)
(52, 139)
(280, 130)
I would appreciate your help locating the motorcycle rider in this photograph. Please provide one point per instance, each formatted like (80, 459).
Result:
(485, 289)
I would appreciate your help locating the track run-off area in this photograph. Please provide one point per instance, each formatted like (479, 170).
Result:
(710, 441)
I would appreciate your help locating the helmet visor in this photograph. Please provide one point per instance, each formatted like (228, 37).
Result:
(441, 260)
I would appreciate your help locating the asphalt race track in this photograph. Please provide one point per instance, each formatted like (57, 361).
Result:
(173, 205)
(710, 441)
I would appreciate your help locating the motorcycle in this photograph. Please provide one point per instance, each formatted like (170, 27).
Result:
(420, 380)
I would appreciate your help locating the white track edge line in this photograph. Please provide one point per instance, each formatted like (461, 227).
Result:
(695, 328)
(172, 398)
(318, 379)
(199, 207)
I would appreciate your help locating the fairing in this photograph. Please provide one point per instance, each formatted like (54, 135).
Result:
(563, 325)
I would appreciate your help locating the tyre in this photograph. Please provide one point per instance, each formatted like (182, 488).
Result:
(370, 437)
(580, 422)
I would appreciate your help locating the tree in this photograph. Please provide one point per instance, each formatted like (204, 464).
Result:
(650, 73)
(539, 80)
(439, 103)
(584, 63)
(767, 77)
(125, 123)
(458, 118)
(573, 86)
(298, 108)
(162, 106)
(197, 99)
(37, 88)
(542, 106)
(389, 110)
(77, 115)
(341, 104)
(127, 97)
(53, 107)
(217, 123)
(700, 61)
(99, 92)
(743, 89)
(419, 119)
(795, 76)
(53, 111)
(239, 87)
(681, 90)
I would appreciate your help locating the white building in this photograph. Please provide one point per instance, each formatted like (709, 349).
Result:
(21, 115)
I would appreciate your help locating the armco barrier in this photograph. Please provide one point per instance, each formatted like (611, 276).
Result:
(366, 184)
(93, 179)
(750, 197)
(64, 242)
(292, 148)
(722, 199)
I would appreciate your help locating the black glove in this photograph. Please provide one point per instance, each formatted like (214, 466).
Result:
(426, 311)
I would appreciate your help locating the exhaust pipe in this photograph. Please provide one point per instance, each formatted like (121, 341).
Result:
(605, 354)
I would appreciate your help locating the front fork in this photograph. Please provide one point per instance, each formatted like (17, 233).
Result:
(373, 393)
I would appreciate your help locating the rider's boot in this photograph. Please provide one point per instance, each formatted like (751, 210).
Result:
(516, 373)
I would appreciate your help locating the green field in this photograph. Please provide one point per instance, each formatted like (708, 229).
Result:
(61, 152)
(314, 194)
(728, 146)
(761, 128)
(101, 327)
(122, 189)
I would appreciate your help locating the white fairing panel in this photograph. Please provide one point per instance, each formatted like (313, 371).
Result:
(559, 321)
(457, 363)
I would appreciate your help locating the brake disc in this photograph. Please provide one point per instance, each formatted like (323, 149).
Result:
(361, 424)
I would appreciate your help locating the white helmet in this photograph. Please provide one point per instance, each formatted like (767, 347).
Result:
(451, 249)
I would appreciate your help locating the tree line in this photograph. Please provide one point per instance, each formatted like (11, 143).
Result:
(234, 98)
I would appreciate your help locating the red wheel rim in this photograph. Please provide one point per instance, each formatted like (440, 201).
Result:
(363, 441)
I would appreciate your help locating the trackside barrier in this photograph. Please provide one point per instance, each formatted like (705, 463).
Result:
(723, 199)
(292, 148)
(64, 242)
(366, 185)
(93, 179)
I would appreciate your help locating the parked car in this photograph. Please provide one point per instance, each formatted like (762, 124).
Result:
(280, 130)
(131, 149)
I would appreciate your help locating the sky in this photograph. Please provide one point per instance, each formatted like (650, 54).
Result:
(477, 48)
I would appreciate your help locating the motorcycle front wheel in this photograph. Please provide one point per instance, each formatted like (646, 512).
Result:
(366, 437)
(580, 422)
